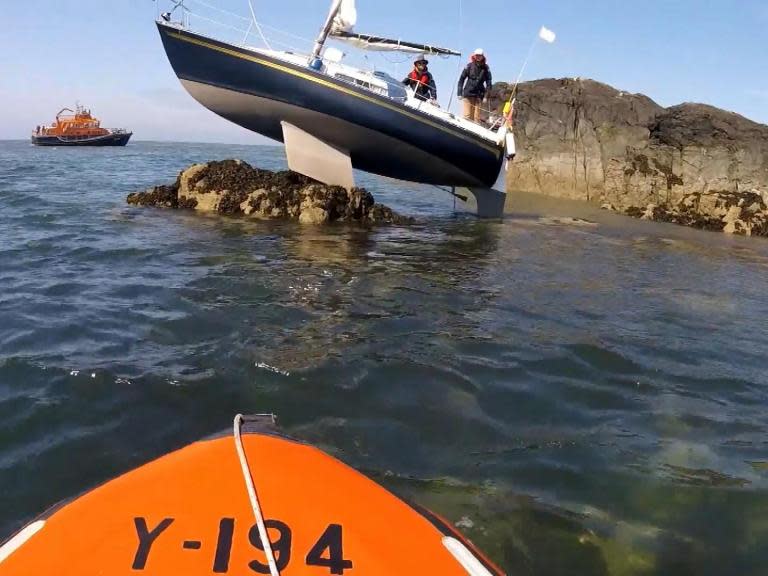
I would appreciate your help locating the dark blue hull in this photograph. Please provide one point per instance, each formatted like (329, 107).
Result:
(108, 140)
(382, 136)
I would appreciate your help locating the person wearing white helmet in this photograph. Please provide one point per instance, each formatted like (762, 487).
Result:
(474, 83)
(421, 81)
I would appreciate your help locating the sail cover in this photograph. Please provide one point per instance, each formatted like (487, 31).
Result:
(343, 29)
(368, 42)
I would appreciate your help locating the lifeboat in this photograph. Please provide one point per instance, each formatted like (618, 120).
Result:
(247, 502)
(79, 128)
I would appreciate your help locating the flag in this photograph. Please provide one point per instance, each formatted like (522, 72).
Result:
(547, 35)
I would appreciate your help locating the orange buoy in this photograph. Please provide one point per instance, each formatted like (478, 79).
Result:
(189, 513)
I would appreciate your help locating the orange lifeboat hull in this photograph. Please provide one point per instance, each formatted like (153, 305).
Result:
(111, 139)
(189, 513)
(79, 128)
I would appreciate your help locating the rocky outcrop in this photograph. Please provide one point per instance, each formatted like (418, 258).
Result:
(235, 187)
(743, 213)
(585, 140)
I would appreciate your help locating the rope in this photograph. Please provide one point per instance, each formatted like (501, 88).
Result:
(254, 499)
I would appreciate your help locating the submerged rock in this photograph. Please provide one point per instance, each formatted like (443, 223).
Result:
(236, 187)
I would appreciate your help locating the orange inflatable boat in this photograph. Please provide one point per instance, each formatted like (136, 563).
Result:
(250, 502)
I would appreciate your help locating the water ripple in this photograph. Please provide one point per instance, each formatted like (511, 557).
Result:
(594, 389)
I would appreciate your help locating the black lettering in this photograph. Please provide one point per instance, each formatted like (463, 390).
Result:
(281, 547)
(331, 541)
(146, 539)
(224, 545)
(191, 545)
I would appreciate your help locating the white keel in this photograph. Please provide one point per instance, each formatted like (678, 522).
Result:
(313, 157)
(317, 159)
(490, 202)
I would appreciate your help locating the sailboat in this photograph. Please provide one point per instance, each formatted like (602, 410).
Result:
(333, 117)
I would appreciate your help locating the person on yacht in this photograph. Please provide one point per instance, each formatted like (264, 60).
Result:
(475, 81)
(421, 81)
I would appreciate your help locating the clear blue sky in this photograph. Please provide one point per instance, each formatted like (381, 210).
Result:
(108, 55)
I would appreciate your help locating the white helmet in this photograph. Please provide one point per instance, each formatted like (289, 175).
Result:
(479, 52)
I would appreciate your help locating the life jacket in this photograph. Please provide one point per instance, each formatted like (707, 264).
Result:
(422, 79)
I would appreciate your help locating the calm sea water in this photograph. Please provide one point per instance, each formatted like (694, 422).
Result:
(582, 398)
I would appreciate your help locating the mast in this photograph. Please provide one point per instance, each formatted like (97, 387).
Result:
(335, 7)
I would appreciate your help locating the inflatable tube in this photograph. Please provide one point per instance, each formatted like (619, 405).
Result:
(189, 513)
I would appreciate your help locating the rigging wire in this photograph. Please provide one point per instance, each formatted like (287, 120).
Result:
(458, 60)
(252, 21)
(221, 24)
(256, 23)
(525, 64)
(286, 45)
(289, 34)
(220, 10)
(392, 58)
(396, 61)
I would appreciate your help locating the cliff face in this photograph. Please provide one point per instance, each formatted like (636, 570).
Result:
(585, 140)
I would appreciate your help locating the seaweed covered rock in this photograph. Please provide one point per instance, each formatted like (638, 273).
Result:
(235, 187)
(165, 196)
(744, 213)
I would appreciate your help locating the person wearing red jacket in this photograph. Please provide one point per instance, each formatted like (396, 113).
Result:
(421, 81)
